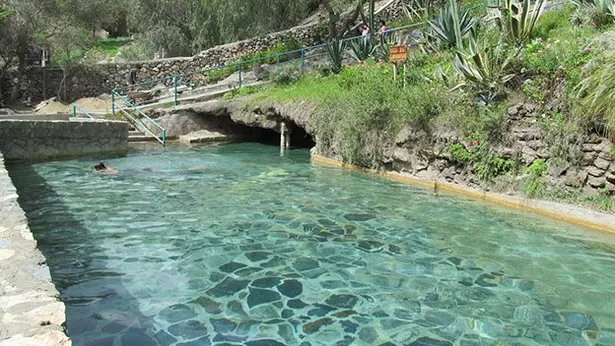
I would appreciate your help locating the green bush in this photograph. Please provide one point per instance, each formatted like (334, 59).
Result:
(596, 93)
(285, 75)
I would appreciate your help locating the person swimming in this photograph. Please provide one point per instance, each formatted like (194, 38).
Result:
(101, 168)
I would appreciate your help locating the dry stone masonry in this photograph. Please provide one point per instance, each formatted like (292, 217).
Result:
(34, 140)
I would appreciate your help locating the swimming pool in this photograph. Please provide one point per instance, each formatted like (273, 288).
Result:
(233, 245)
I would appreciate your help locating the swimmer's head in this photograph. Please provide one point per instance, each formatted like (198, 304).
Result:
(100, 166)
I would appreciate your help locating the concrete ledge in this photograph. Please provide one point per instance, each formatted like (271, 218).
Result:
(568, 213)
(30, 310)
(41, 140)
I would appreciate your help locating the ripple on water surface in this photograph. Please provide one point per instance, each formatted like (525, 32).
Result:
(234, 245)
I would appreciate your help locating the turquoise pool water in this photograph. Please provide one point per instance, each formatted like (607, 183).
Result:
(234, 245)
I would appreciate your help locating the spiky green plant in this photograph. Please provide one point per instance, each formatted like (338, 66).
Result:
(596, 93)
(595, 12)
(5, 14)
(337, 50)
(361, 49)
(418, 9)
(451, 26)
(484, 66)
(518, 19)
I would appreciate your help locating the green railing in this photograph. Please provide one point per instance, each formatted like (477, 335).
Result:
(76, 110)
(140, 120)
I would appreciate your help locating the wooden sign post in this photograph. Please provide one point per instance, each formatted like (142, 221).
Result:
(397, 54)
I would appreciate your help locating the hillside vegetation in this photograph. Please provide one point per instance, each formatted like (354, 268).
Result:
(469, 75)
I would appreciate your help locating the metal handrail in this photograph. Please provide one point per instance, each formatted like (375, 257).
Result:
(161, 138)
(77, 108)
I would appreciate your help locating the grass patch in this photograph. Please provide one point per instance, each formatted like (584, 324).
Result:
(111, 46)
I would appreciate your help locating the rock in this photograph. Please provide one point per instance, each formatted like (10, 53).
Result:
(368, 334)
(259, 296)
(528, 155)
(264, 342)
(589, 158)
(596, 182)
(578, 320)
(602, 163)
(427, 341)
(291, 288)
(312, 327)
(610, 177)
(556, 169)
(208, 304)
(342, 301)
(304, 263)
(190, 329)
(175, 313)
(575, 179)
(595, 171)
(358, 217)
(231, 267)
(228, 287)
(223, 325)
(296, 304)
(267, 282)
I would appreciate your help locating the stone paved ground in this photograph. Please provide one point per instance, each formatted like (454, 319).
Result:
(31, 313)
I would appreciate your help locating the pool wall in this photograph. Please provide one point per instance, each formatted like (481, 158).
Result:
(39, 140)
(30, 310)
(568, 213)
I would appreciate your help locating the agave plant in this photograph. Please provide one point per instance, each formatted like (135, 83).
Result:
(361, 49)
(336, 49)
(484, 66)
(518, 19)
(595, 12)
(596, 93)
(451, 26)
(418, 9)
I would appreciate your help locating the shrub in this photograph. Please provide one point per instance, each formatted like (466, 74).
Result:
(518, 19)
(484, 66)
(286, 74)
(596, 93)
(597, 13)
(534, 184)
(451, 26)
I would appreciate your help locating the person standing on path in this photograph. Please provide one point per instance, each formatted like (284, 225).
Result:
(365, 32)
(382, 31)
(133, 75)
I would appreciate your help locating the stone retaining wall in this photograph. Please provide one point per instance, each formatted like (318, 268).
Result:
(30, 311)
(35, 140)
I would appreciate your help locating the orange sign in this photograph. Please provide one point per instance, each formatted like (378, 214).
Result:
(398, 54)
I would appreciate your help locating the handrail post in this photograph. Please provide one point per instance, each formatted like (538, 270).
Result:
(277, 60)
(113, 101)
(239, 72)
(175, 90)
(74, 110)
(302, 61)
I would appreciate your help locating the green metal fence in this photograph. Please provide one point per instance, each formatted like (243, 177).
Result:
(78, 111)
(141, 121)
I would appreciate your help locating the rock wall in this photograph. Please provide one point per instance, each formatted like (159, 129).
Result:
(30, 311)
(82, 81)
(34, 140)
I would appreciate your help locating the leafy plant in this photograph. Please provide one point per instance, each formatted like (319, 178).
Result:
(460, 154)
(451, 26)
(518, 19)
(336, 50)
(534, 184)
(491, 166)
(361, 49)
(285, 75)
(484, 67)
(596, 93)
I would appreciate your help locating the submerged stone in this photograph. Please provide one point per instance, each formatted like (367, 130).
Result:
(320, 310)
(291, 288)
(164, 338)
(578, 320)
(349, 327)
(370, 245)
(266, 282)
(368, 334)
(287, 313)
(427, 341)
(257, 256)
(220, 338)
(228, 287)
(208, 304)
(175, 313)
(312, 327)
(358, 217)
(188, 330)
(264, 342)
(231, 267)
(342, 301)
(134, 336)
(296, 304)
(204, 341)
(222, 325)
(304, 263)
(259, 296)
(487, 280)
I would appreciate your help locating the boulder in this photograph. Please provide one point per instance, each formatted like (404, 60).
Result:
(575, 178)
(596, 182)
(594, 171)
(602, 163)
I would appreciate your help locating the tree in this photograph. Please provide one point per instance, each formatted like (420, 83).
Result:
(68, 48)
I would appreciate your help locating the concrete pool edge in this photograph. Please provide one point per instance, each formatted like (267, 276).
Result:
(568, 213)
(31, 312)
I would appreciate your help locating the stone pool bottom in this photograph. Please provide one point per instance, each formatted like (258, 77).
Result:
(235, 245)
